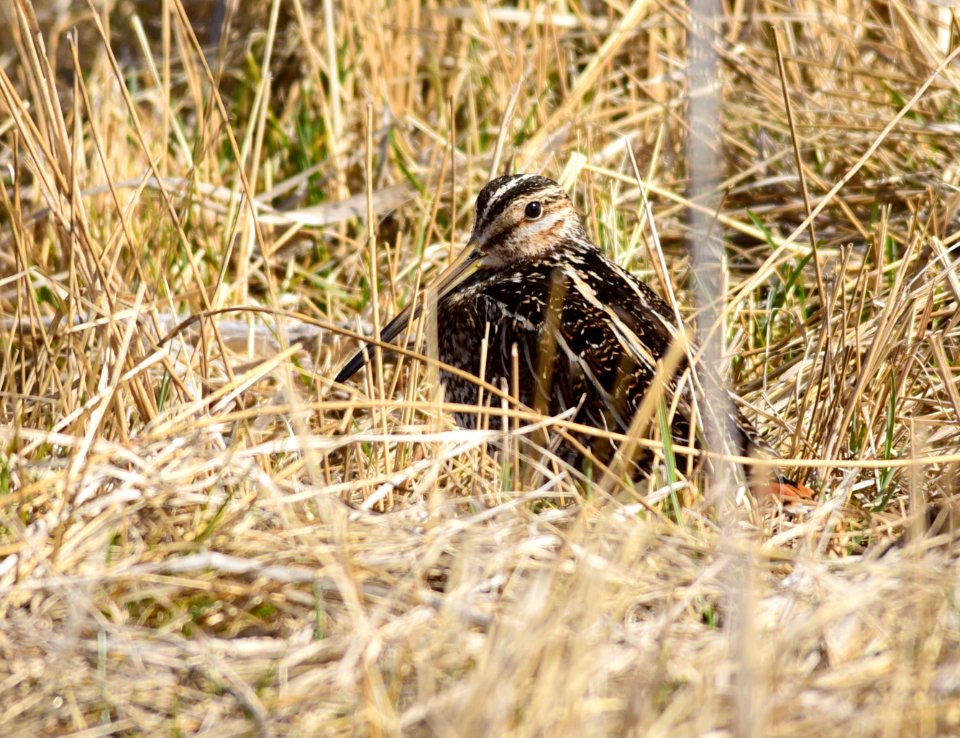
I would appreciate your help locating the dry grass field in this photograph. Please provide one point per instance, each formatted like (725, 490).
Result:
(204, 202)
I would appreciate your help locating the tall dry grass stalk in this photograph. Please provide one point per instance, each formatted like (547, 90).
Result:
(203, 205)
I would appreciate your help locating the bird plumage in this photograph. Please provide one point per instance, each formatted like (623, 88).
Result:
(588, 335)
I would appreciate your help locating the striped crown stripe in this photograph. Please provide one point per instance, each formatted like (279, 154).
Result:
(498, 194)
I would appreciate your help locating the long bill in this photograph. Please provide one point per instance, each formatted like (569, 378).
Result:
(448, 280)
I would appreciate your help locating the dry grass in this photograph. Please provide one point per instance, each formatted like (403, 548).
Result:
(200, 535)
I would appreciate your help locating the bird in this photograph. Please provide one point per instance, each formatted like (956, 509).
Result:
(532, 303)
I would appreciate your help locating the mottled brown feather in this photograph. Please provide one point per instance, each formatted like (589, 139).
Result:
(588, 334)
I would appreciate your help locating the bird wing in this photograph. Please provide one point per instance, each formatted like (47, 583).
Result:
(656, 324)
(585, 338)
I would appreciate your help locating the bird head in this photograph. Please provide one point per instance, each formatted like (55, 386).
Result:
(518, 217)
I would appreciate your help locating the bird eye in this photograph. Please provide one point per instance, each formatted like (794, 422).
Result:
(533, 211)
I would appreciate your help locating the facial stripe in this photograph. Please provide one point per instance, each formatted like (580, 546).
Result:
(501, 192)
(491, 239)
(508, 184)
(502, 196)
(492, 192)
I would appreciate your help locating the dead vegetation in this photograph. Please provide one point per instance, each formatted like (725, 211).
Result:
(199, 534)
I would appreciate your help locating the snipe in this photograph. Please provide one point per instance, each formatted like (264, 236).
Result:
(578, 330)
